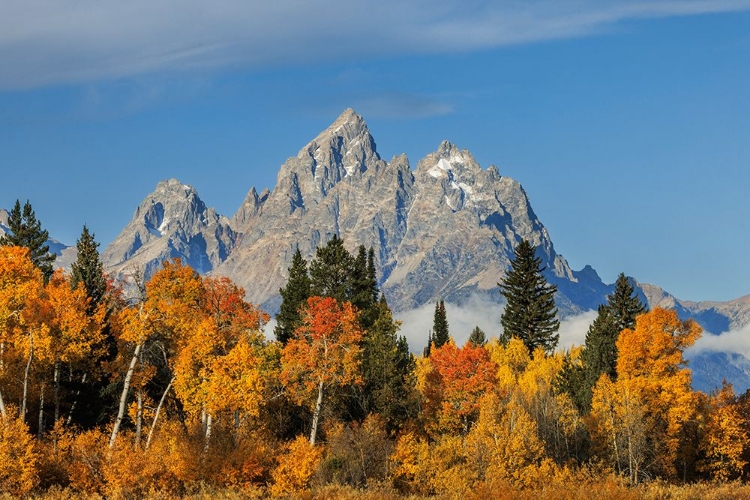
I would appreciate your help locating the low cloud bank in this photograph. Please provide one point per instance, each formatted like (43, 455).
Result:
(733, 341)
(480, 311)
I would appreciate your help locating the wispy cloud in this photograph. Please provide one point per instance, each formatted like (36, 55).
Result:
(46, 42)
(733, 341)
(402, 105)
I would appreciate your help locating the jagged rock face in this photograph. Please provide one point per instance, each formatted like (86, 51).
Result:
(172, 222)
(446, 230)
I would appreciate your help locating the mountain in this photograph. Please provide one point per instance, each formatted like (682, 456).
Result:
(444, 230)
(172, 222)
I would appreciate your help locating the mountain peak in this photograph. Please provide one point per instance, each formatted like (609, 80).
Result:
(347, 131)
(171, 222)
(173, 185)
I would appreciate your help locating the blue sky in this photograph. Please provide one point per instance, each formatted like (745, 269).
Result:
(627, 122)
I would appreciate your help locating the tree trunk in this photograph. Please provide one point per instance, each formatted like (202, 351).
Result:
(2, 407)
(124, 395)
(69, 420)
(156, 416)
(139, 419)
(22, 416)
(209, 430)
(40, 429)
(57, 390)
(316, 414)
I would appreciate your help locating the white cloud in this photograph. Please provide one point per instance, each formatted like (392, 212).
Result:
(573, 329)
(269, 328)
(733, 341)
(45, 42)
(482, 312)
(477, 311)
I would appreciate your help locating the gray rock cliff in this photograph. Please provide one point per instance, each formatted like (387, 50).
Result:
(172, 222)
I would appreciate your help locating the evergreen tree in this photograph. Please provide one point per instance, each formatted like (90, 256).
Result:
(293, 295)
(88, 270)
(332, 271)
(94, 395)
(624, 304)
(387, 369)
(365, 287)
(428, 347)
(477, 337)
(572, 380)
(530, 313)
(26, 231)
(599, 354)
(440, 333)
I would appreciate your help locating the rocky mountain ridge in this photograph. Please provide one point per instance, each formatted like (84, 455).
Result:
(445, 230)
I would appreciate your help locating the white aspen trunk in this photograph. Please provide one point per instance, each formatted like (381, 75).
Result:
(2, 407)
(40, 430)
(57, 390)
(69, 420)
(22, 416)
(139, 419)
(156, 416)
(316, 414)
(209, 430)
(124, 395)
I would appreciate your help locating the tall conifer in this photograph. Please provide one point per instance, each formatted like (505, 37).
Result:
(530, 313)
(88, 270)
(599, 354)
(26, 231)
(440, 333)
(293, 295)
(332, 270)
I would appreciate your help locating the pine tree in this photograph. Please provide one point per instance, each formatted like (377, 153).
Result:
(332, 271)
(88, 270)
(365, 287)
(387, 369)
(26, 231)
(440, 333)
(624, 304)
(428, 348)
(293, 296)
(477, 337)
(599, 354)
(530, 313)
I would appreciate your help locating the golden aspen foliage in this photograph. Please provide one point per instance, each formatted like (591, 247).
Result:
(528, 379)
(511, 360)
(617, 427)
(410, 459)
(725, 441)
(295, 469)
(18, 458)
(504, 444)
(223, 363)
(87, 456)
(75, 336)
(237, 380)
(651, 405)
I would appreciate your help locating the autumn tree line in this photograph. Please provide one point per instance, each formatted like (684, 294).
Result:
(177, 387)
